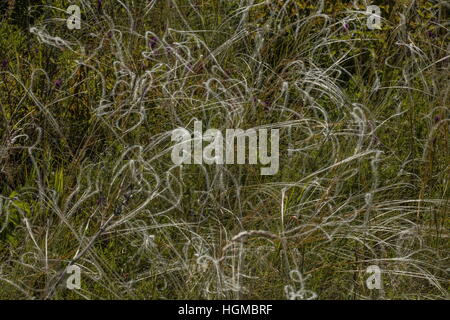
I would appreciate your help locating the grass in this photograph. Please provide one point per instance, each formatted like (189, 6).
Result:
(86, 177)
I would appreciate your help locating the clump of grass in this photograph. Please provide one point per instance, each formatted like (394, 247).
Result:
(85, 153)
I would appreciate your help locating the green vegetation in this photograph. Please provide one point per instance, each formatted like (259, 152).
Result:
(86, 176)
